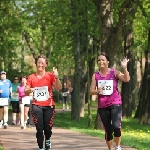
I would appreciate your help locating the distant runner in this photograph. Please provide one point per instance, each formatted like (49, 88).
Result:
(24, 102)
(5, 92)
(65, 93)
(15, 102)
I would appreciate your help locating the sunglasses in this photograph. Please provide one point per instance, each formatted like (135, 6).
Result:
(16, 79)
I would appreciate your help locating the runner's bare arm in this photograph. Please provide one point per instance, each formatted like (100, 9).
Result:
(125, 77)
(57, 84)
(10, 89)
(93, 90)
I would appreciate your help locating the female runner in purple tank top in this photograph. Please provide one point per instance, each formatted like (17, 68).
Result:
(105, 85)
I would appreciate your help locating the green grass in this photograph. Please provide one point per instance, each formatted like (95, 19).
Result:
(1, 148)
(133, 134)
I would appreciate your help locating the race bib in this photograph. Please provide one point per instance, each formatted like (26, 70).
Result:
(107, 86)
(64, 94)
(3, 101)
(26, 100)
(41, 93)
(14, 96)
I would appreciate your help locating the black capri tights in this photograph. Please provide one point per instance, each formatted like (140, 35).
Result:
(15, 106)
(111, 118)
(43, 117)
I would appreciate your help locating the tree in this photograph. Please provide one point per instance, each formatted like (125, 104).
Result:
(116, 19)
(144, 104)
(79, 22)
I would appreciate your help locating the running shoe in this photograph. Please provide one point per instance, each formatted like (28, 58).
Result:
(13, 123)
(47, 145)
(18, 122)
(1, 123)
(5, 125)
(22, 127)
(25, 125)
(29, 126)
(118, 148)
(42, 149)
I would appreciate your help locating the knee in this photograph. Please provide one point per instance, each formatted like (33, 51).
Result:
(39, 133)
(6, 110)
(25, 113)
(21, 112)
(15, 110)
(117, 130)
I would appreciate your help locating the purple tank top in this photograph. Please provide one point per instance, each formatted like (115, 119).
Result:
(108, 100)
(21, 92)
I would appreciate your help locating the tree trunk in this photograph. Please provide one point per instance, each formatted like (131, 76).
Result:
(43, 38)
(112, 37)
(98, 123)
(91, 65)
(129, 89)
(144, 102)
(22, 52)
(79, 49)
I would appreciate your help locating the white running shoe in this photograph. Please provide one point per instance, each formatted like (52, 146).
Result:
(1, 123)
(118, 148)
(5, 125)
(25, 125)
(13, 123)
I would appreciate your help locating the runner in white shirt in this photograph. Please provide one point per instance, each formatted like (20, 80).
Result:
(5, 92)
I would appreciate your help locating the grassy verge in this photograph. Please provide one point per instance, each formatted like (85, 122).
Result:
(1, 148)
(133, 134)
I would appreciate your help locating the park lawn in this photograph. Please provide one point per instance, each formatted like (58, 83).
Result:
(1, 148)
(133, 134)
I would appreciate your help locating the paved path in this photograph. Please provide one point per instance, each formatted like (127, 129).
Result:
(15, 138)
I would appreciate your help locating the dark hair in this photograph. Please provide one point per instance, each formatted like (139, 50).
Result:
(16, 77)
(23, 77)
(41, 56)
(104, 54)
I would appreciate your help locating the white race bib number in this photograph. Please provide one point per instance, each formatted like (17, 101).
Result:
(107, 86)
(26, 100)
(3, 101)
(64, 94)
(15, 96)
(41, 93)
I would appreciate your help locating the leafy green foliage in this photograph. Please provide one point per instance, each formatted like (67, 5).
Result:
(141, 26)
